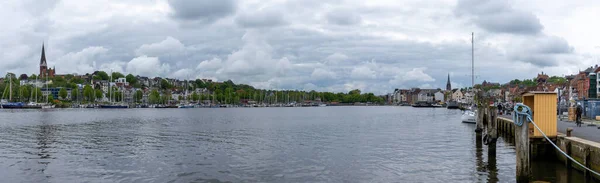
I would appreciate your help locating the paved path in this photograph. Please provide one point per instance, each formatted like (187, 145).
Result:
(585, 131)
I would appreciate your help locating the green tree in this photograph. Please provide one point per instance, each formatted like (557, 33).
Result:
(131, 79)
(138, 95)
(97, 77)
(33, 77)
(103, 75)
(51, 98)
(195, 96)
(164, 84)
(98, 94)
(154, 97)
(117, 75)
(354, 92)
(62, 93)
(75, 94)
(25, 93)
(88, 93)
(180, 98)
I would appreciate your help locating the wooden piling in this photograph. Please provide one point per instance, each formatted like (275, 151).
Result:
(522, 150)
(492, 131)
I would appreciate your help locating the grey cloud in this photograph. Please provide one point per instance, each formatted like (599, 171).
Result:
(203, 11)
(499, 17)
(261, 18)
(343, 17)
(543, 51)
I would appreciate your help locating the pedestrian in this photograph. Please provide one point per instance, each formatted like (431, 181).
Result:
(500, 108)
(578, 112)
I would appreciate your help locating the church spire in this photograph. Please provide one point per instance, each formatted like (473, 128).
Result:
(43, 59)
(448, 86)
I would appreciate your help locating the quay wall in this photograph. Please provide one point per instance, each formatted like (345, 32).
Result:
(583, 151)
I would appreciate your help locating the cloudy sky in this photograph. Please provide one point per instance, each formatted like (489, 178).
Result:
(326, 45)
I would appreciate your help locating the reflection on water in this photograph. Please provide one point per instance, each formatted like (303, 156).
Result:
(331, 144)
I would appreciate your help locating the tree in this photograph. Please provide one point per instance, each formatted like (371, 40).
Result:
(354, 92)
(117, 75)
(25, 93)
(88, 93)
(138, 95)
(164, 84)
(96, 77)
(98, 94)
(103, 75)
(154, 97)
(131, 79)
(195, 96)
(75, 94)
(62, 93)
(180, 98)
(33, 77)
(51, 98)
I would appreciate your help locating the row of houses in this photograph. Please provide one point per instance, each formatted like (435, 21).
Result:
(413, 95)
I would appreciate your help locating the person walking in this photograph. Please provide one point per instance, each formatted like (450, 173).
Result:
(578, 112)
(500, 108)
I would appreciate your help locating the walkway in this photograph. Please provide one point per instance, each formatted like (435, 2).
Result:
(585, 131)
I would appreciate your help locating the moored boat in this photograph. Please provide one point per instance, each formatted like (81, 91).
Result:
(469, 116)
(452, 105)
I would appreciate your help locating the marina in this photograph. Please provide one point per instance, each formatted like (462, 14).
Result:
(249, 145)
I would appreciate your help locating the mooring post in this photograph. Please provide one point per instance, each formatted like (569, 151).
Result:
(479, 123)
(492, 131)
(522, 148)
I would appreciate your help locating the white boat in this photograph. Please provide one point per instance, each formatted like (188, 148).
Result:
(469, 116)
(322, 105)
(47, 106)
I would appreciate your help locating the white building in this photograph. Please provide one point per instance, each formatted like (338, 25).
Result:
(469, 96)
(439, 96)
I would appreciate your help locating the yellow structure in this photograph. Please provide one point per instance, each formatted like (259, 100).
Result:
(543, 106)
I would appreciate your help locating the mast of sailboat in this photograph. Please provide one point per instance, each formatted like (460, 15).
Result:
(472, 60)
(48, 92)
(10, 89)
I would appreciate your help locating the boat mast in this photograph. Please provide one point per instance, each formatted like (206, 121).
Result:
(472, 60)
(10, 89)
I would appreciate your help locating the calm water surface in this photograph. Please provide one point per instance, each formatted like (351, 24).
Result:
(326, 144)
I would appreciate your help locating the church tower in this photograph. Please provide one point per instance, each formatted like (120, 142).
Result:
(448, 86)
(44, 71)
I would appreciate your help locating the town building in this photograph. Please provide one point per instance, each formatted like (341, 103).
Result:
(439, 96)
(44, 70)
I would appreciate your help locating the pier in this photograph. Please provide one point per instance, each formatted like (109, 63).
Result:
(580, 143)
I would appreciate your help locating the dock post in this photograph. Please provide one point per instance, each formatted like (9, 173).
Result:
(587, 162)
(522, 149)
(492, 131)
(478, 128)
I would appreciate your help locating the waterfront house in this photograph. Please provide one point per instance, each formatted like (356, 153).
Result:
(457, 96)
(439, 96)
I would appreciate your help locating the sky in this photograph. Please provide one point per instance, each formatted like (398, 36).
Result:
(324, 45)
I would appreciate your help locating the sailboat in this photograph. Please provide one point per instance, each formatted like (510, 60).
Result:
(8, 104)
(470, 115)
(187, 103)
(113, 105)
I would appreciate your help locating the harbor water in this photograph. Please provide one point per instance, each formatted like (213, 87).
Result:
(312, 144)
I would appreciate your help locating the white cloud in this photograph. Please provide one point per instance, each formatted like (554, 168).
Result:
(208, 65)
(81, 62)
(363, 72)
(416, 74)
(168, 46)
(322, 74)
(147, 66)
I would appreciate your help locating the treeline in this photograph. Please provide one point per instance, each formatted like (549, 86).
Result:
(218, 92)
